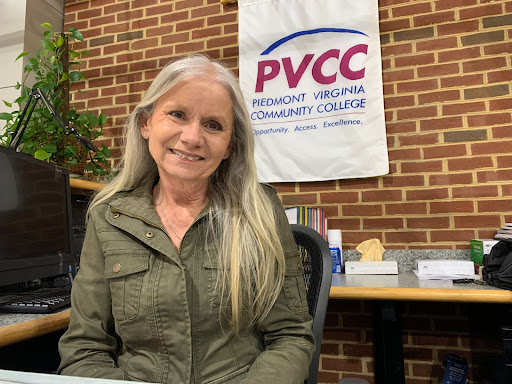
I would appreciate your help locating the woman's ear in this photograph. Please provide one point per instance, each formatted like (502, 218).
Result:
(228, 151)
(144, 129)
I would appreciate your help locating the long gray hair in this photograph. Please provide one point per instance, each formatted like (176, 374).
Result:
(241, 221)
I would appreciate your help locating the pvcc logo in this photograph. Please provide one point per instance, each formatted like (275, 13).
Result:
(269, 70)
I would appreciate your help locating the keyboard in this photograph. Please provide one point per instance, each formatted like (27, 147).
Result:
(43, 300)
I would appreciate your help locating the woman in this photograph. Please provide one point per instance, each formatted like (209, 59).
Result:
(189, 272)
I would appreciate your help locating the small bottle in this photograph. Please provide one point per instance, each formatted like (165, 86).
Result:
(334, 237)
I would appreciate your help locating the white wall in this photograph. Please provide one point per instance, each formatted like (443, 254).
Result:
(12, 27)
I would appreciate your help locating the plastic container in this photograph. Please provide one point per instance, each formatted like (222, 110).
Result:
(334, 238)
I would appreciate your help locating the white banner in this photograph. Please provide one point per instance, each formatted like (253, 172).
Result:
(311, 75)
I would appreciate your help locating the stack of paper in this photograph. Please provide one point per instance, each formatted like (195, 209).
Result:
(445, 269)
(504, 233)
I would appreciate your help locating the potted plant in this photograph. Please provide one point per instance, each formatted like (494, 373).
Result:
(56, 66)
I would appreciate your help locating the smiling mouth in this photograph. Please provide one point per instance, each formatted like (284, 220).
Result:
(186, 157)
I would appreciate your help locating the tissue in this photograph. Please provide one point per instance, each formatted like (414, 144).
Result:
(371, 250)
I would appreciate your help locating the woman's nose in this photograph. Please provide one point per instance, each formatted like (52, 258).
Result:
(192, 134)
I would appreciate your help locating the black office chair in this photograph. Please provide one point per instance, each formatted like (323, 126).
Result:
(317, 261)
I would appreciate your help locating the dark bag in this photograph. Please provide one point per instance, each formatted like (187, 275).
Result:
(497, 269)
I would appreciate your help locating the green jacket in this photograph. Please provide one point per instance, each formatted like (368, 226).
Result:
(141, 311)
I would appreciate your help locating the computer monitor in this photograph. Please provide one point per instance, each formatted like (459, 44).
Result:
(35, 219)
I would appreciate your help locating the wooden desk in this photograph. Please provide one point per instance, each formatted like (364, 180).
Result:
(387, 290)
(27, 329)
(407, 287)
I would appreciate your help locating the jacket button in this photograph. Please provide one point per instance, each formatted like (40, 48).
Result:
(116, 215)
(116, 268)
(299, 264)
(149, 235)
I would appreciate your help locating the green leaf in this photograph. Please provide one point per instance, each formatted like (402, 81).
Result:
(5, 115)
(73, 54)
(70, 150)
(47, 26)
(76, 34)
(64, 77)
(82, 119)
(59, 41)
(48, 45)
(50, 148)
(24, 53)
(102, 119)
(7, 104)
(47, 33)
(86, 53)
(75, 75)
(34, 62)
(41, 154)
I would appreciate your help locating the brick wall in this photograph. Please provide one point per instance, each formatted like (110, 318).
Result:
(447, 71)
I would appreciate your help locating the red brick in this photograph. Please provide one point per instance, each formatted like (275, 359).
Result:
(441, 5)
(346, 224)
(478, 12)
(399, 101)
(463, 108)
(396, 49)
(404, 154)
(406, 237)
(451, 179)
(495, 147)
(504, 161)
(303, 199)
(436, 44)
(158, 52)
(449, 236)
(484, 221)
(457, 27)
(399, 75)
(422, 166)
(381, 195)
(130, 15)
(417, 59)
(339, 197)
(222, 19)
(394, 25)
(438, 70)
(159, 10)
(188, 4)
(496, 49)
(386, 223)
(460, 81)
(116, 28)
(475, 191)
(144, 44)
(417, 86)
(417, 112)
(405, 209)
(495, 175)
(189, 47)
(361, 210)
(436, 207)
(438, 97)
(484, 64)
(230, 28)
(489, 119)
(499, 76)
(403, 181)
(507, 191)
(459, 54)
(174, 17)
(419, 139)
(441, 123)
(500, 104)
(426, 194)
(494, 206)
(116, 48)
(317, 186)
(401, 127)
(443, 151)
(350, 365)
(222, 41)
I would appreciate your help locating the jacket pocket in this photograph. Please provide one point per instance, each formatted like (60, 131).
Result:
(294, 286)
(234, 377)
(212, 269)
(125, 272)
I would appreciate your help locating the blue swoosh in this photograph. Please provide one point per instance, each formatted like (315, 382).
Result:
(310, 32)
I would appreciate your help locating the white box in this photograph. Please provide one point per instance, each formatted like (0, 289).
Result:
(384, 267)
(445, 267)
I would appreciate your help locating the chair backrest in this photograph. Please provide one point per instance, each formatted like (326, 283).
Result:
(317, 260)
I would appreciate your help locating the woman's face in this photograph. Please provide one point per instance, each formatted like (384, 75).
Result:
(190, 130)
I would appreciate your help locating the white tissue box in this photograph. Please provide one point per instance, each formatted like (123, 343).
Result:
(445, 267)
(385, 267)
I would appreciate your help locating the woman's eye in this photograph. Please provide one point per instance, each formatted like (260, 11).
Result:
(177, 114)
(214, 126)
